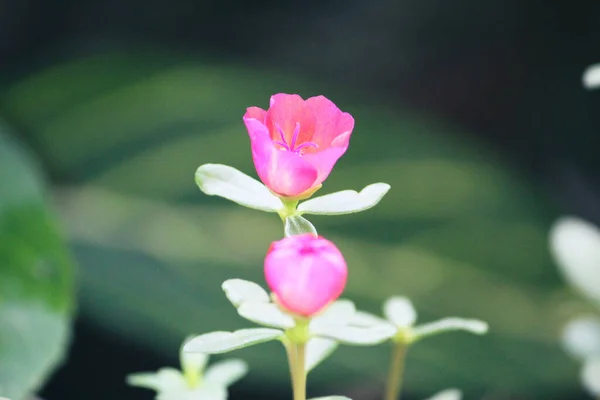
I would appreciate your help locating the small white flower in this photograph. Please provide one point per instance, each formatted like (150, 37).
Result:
(193, 382)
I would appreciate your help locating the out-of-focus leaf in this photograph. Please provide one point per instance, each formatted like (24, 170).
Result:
(36, 273)
(223, 342)
(317, 350)
(239, 291)
(400, 311)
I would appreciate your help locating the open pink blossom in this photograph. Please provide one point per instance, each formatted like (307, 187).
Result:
(296, 143)
(305, 272)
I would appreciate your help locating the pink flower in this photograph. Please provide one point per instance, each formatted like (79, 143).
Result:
(305, 272)
(296, 143)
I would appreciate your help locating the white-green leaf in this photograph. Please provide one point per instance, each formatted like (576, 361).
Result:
(228, 182)
(590, 376)
(165, 379)
(365, 319)
(267, 314)
(239, 291)
(591, 77)
(346, 201)
(297, 225)
(192, 361)
(575, 245)
(450, 324)
(448, 394)
(400, 311)
(222, 342)
(337, 314)
(581, 337)
(317, 350)
(226, 372)
(332, 398)
(358, 336)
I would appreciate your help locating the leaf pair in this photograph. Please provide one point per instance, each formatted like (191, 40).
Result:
(228, 182)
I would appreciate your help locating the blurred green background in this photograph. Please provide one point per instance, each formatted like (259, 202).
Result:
(474, 115)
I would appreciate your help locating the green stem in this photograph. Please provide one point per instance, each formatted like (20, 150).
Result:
(290, 349)
(300, 373)
(396, 372)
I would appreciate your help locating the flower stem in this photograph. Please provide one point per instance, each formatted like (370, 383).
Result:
(300, 373)
(396, 372)
(290, 349)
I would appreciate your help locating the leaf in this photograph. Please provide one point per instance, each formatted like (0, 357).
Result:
(222, 342)
(165, 379)
(239, 291)
(226, 372)
(591, 77)
(448, 394)
(346, 201)
(267, 314)
(337, 314)
(575, 245)
(400, 311)
(297, 225)
(192, 361)
(581, 337)
(590, 376)
(356, 335)
(36, 278)
(365, 319)
(228, 182)
(450, 324)
(317, 350)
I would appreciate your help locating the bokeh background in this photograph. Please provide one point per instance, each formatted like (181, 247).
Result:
(474, 112)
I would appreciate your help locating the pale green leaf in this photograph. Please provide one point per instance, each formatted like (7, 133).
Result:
(192, 361)
(346, 201)
(450, 324)
(226, 372)
(297, 225)
(591, 77)
(581, 337)
(448, 394)
(222, 342)
(337, 314)
(400, 311)
(575, 245)
(228, 182)
(317, 350)
(357, 335)
(267, 314)
(590, 376)
(365, 319)
(239, 291)
(165, 379)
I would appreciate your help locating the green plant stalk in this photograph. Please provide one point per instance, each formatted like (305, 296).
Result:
(300, 373)
(290, 349)
(396, 371)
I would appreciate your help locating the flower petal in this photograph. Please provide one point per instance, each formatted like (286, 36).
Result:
(330, 122)
(257, 113)
(286, 110)
(284, 172)
(323, 161)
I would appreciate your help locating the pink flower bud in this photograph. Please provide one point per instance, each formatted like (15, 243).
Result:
(305, 272)
(296, 143)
